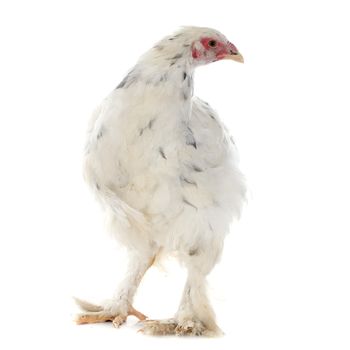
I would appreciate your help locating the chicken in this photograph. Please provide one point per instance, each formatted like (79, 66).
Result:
(165, 169)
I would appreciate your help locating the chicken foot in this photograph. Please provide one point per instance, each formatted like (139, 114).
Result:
(97, 314)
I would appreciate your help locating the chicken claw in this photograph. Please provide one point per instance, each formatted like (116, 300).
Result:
(96, 314)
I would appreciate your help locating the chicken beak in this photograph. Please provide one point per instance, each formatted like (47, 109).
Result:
(235, 57)
(232, 53)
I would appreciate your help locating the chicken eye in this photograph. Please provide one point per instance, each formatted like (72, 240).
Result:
(212, 43)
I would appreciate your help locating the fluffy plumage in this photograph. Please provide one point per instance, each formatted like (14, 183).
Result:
(165, 169)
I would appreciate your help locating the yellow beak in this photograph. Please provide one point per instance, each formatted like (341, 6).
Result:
(236, 57)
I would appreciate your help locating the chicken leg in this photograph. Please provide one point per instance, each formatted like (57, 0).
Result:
(195, 315)
(120, 307)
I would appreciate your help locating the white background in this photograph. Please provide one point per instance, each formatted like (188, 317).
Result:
(283, 282)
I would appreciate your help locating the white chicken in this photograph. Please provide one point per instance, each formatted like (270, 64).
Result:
(165, 169)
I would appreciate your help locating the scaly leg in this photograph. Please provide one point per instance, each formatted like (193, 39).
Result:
(120, 307)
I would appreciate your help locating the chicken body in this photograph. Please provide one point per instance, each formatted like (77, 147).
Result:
(165, 168)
